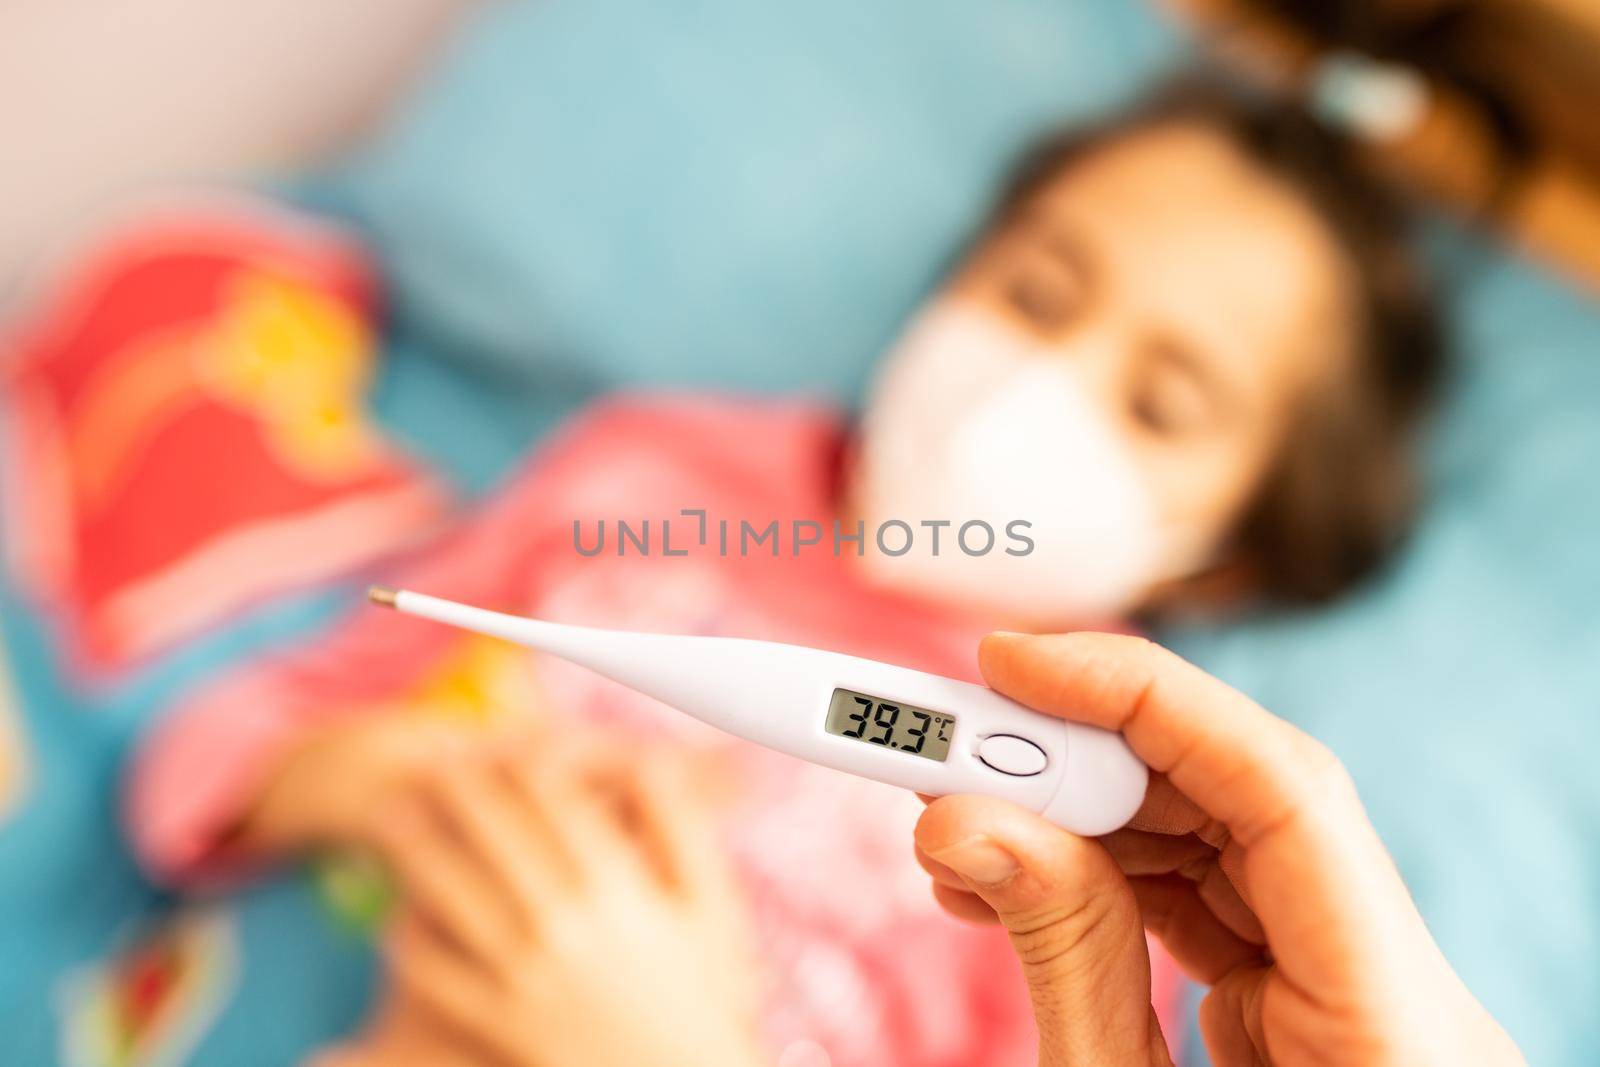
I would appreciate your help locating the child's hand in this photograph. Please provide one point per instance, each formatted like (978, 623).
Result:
(400, 1035)
(571, 911)
(329, 787)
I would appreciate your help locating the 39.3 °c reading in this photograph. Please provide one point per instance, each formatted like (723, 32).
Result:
(890, 724)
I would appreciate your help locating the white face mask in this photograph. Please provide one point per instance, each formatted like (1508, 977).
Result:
(970, 420)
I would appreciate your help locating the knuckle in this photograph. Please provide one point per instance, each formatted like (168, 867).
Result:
(1324, 773)
(1159, 915)
(1155, 656)
(1050, 938)
(1137, 644)
(1135, 654)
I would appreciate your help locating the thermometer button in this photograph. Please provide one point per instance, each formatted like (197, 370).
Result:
(1010, 754)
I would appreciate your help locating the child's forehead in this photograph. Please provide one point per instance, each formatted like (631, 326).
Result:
(1174, 161)
(1177, 215)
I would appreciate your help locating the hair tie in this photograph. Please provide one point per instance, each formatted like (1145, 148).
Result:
(1369, 98)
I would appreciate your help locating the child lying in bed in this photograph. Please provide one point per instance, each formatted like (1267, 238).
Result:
(1177, 372)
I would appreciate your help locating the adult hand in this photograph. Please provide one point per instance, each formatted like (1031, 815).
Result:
(572, 910)
(1252, 861)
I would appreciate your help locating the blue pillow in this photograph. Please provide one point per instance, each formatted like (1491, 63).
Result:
(745, 195)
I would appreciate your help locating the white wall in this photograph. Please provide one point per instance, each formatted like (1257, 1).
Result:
(98, 96)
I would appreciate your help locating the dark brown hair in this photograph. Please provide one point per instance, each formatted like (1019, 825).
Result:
(1342, 489)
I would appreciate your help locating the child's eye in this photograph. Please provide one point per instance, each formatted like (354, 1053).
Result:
(1044, 305)
(1048, 277)
(1149, 412)
(1046, 294)
(1168, 398)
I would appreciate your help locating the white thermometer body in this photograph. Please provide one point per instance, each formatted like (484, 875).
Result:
(919, 731)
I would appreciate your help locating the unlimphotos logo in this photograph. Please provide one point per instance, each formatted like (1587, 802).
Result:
(741, 537)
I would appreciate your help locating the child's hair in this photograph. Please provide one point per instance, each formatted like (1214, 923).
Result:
(1342, 490)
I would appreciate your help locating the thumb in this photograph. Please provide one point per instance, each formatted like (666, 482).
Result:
(1073, 921)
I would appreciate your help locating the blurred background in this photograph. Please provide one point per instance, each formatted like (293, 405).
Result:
(105, 101)
(475, 218)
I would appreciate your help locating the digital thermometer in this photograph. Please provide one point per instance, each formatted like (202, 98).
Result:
(892, 724)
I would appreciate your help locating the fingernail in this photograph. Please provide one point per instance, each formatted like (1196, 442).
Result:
(979, 860)
(1006, 634)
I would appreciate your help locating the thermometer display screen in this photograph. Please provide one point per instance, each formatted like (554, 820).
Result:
(890, 724)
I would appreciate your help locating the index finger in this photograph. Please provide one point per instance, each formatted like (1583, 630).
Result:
(1242, 765)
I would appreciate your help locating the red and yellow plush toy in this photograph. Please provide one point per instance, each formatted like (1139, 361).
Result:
(185, 429)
